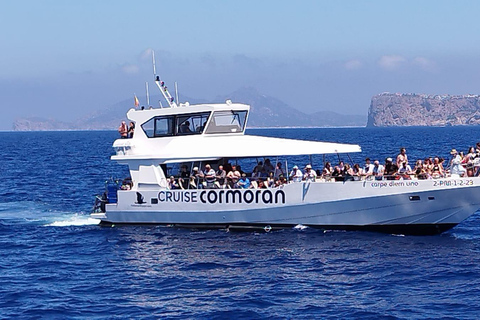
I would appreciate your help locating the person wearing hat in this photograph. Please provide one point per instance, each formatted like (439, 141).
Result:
(378, 170)
(296, 175)
(196, 178)
(456, 168)
(309, 175)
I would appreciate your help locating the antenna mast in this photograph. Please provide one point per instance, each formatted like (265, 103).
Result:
(161, 85)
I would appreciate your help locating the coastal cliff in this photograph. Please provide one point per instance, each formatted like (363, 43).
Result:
(395, 109)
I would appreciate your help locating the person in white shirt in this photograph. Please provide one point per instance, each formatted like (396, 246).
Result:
(368, 168)
(378, 170)
(309, 175)
(456, 168)
(405, 171)
(296, 175)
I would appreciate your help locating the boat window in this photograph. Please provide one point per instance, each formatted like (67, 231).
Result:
(227, 122)
(192, 123)
(176, 125)
(159, 127)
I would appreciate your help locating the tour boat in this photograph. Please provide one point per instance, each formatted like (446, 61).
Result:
(196, 135)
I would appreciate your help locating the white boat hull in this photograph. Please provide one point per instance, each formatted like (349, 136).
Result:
(409, 206)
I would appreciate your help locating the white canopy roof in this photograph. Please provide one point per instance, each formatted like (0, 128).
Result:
(200, 147)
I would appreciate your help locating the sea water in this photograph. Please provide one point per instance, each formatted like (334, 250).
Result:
(57, 263)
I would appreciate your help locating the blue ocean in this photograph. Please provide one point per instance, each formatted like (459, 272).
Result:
(57, 263)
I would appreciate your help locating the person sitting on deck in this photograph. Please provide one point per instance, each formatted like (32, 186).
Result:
(296, 175)
(209, 177)
(261, 184)
(243, 182)
(196, 179)
(368, 167)
(220, 175)
(391, 169)
(271, 180)
(173, 184)
(437, 171)
(405, 171)
(378, 170)
(327, 171)
(184, 127)
(232, 177)
(309, 175)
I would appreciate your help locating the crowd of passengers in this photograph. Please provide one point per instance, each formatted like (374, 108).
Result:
(265, 175)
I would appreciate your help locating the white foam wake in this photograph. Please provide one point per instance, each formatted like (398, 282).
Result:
(74, 221)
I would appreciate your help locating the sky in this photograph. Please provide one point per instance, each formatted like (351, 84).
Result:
(66, 59)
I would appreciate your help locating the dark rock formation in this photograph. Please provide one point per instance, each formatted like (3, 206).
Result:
(395, 109)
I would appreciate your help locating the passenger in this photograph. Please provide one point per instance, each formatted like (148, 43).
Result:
(184, 177)
(327, 171)
(428, 166)
(296, 175)
(309, 175)
(261, 184)
(368, 167)
(357, 172)
(348, 173)
(469, 161)
(456, 168)
(232, 177)
(185, 127)
(200, 128)
(268, 167)
(123, 130)
(391, 169)
(220, 175)
(196, 179)
(341, 165)
(402, 157)
(243, 182)
(131, 129)
(405, 171)
(280, 181)
(173, 184)
(337, 174)
(378, 170)
(278, 170)
(239, 169)
(437, 171)
(271, 180)
(420, 171)
(209, 177)
(259, 170)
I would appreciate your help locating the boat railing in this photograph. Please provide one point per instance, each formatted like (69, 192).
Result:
(257, 182)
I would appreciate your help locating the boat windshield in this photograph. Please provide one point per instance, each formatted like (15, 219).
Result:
(176, 125)
(227, 122)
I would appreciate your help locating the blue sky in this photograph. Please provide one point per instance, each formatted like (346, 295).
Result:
(66, 59)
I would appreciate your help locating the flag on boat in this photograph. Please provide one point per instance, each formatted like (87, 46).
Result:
(135, 101)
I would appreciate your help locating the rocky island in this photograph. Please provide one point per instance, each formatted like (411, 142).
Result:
(397, 109)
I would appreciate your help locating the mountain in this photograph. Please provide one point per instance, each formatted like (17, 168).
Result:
(396, 109)
(265, 112)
